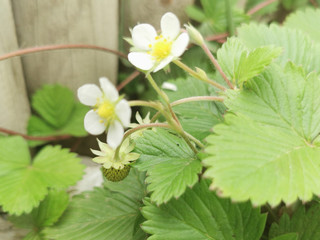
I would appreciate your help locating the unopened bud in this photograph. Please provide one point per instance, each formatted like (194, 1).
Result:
(195, 35)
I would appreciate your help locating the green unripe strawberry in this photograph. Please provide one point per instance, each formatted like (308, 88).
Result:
(116, 175)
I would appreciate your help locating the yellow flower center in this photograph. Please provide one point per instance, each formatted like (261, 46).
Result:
(106, 110)
(161, 48)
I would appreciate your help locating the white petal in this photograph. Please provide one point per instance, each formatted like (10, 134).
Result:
(115, 134)
(123, 111)
(143, 35)
(170, 26)
(163, 63)
(92, 123)
(141, 60)
(109, 89)
(88, 94)
(169, 86)
(180, 45)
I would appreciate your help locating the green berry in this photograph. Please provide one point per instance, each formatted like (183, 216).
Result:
(116, 175)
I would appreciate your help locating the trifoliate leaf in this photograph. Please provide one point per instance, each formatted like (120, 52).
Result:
(199, 215)
(23, 184)
(197, 118)
(59, 114)
(240, 65)
(48, 212)
(297, 47)
(266, 153)
(307, 21)
(170, 164)
(101, 214)
(305, 224)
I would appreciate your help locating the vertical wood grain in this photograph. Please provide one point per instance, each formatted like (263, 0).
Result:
(40, 22)
(14, 104)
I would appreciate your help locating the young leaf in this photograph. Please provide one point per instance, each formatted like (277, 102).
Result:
(59, 114)
(240, 65)
(109, 213)
(199, 215)
(297, 47)
(23, 184)
(48, 212)
(266, 152)
(307, 21)
(197, 118)
(304, 224)
(170, 164)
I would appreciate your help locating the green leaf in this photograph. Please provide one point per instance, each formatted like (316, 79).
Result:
(304, 224)
(297, 47)
(24, 183)
(59, 114)
(195, 13)
(294, 4)
(265, 153)
(111, 213)
(265, 10)
(48, 212)
(199, 214)
(307, 21)
(54, 103)
(170, 164)
(240, 65)
(288, 236)
(197, 118)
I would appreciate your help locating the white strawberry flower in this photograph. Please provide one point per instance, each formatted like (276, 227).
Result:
(152, 51)
(110, 112)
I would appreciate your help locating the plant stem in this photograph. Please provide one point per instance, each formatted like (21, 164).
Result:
(230, 23)
(216, 64)
(197, 75)
(260, 6)
(196, 99)
(35, 138)
(128, 80)
(196, 141)
(157, 89)
(26, 51)
(154, 105)
(133, 130)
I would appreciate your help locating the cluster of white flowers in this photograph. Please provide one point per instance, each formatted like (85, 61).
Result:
(111, 113)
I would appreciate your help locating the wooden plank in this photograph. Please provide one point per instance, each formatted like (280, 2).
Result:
(14, 107)
(67, 22)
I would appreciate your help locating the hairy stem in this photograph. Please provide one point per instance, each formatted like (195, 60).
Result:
(198, 76)
(35, 138)
(196, 99)
(260, 6)
(131, 77)
(216, 64)
(26, 51)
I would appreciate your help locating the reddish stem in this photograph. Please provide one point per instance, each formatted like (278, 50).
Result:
(128, 80)
(25, 51)
(35, 138)
(260, 6)
(218, 37)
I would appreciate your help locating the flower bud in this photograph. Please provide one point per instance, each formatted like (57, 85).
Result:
(195, 35)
